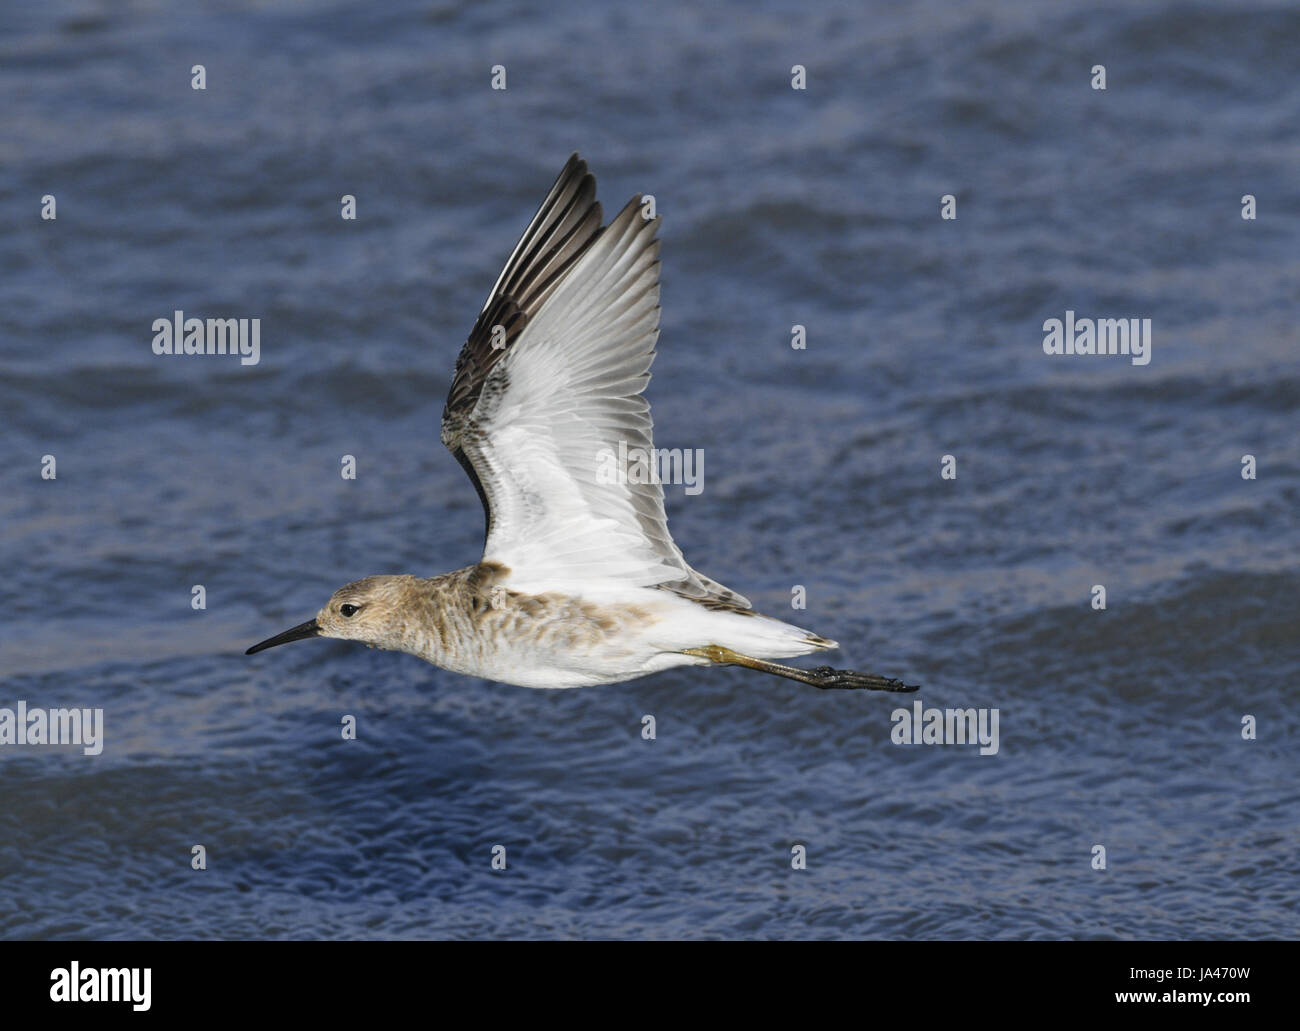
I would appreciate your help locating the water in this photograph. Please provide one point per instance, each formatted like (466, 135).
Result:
(1120, 728)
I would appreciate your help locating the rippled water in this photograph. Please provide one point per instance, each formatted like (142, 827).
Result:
(1120, 728)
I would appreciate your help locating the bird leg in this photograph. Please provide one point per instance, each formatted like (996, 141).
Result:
(822, 677)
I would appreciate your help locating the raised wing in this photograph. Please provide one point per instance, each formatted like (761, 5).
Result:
(549, 386)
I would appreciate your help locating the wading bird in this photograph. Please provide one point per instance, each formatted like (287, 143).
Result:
(580, 582)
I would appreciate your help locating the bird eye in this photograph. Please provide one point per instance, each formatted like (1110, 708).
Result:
(349, 610)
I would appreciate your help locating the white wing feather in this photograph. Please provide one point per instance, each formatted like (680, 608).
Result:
(549, 418)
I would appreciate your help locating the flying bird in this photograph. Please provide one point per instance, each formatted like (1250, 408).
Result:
(580, 582)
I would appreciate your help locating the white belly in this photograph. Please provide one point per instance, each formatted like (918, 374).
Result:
(607, 638)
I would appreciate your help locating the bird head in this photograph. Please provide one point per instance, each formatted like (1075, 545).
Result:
(371, 611)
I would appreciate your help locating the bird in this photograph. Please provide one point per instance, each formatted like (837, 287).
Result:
(579, 583)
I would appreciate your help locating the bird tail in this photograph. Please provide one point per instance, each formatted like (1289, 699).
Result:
(766, 638)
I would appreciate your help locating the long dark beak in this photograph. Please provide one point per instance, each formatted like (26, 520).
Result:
(298, 633)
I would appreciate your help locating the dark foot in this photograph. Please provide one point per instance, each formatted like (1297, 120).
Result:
(828, 679)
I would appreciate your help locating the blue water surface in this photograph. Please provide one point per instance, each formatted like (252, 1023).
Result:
(1119, 727)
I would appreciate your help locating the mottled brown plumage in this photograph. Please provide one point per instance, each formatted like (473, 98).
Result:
(460, 621)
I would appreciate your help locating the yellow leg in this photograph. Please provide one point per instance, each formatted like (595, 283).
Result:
(822, 677)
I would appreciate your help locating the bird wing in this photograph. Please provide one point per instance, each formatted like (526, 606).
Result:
(547, 388)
